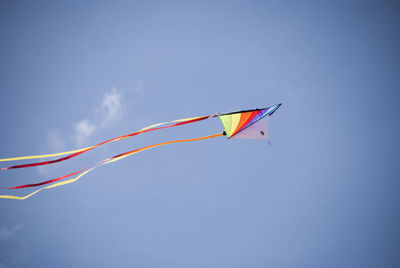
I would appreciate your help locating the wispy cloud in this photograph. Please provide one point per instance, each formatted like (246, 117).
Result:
(110, 110)
(6, 233)
(83, 130)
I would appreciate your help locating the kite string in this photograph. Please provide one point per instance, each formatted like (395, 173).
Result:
(101, 163)
(83, 150)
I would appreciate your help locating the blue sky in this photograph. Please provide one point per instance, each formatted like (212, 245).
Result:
(325, 194)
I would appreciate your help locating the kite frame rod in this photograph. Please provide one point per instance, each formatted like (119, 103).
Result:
(252, 110)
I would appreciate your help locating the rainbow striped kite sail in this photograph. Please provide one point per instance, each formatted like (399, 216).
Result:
(249, 124)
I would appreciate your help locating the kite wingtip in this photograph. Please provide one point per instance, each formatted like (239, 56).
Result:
(273, 109)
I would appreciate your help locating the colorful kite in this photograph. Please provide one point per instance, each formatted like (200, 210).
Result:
(250, 124)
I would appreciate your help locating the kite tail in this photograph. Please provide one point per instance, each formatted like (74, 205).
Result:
(88, 169)
(77, 152)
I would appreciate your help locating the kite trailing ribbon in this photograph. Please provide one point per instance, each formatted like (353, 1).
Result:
(77, 152)
(88, 169)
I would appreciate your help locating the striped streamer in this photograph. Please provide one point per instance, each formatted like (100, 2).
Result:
(88, 169)
(77, 152)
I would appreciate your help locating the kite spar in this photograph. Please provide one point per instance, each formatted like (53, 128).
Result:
(249, 124)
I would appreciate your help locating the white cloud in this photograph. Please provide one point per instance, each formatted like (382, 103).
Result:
(84, 129)
(110, 108)
(6, 233)
(108, 111)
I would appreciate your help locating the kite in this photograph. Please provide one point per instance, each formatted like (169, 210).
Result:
(248, 124)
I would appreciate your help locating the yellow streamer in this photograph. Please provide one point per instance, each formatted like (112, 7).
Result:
(44, 155)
